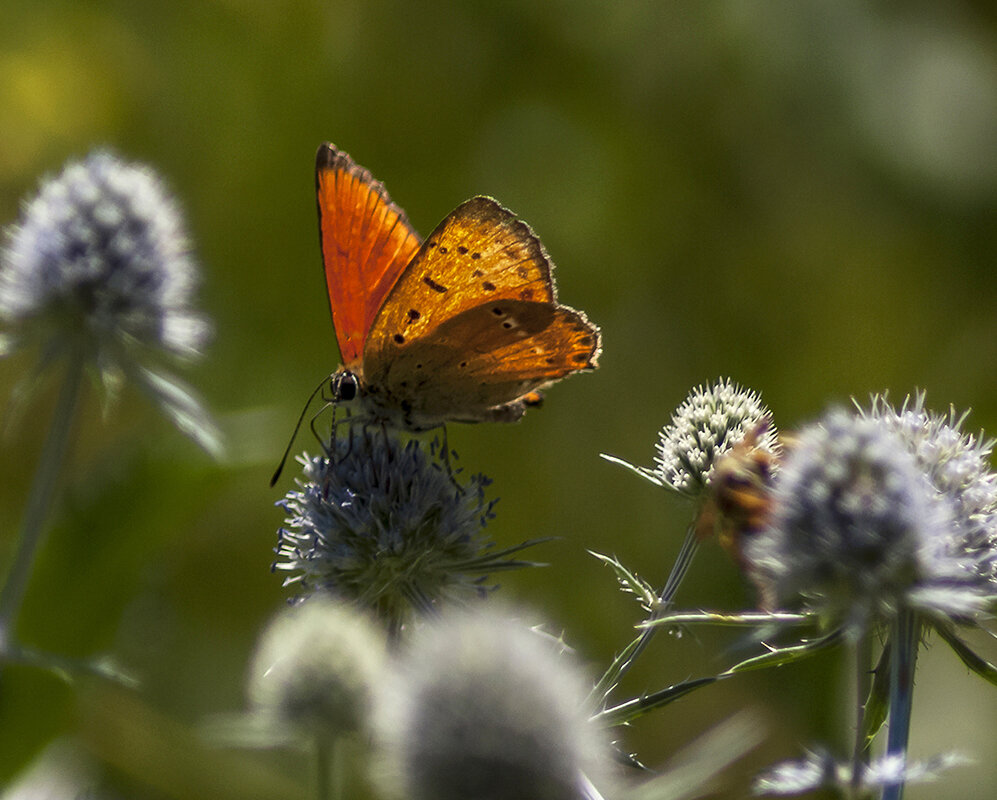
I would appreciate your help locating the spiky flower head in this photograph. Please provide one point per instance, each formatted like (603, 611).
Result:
(855, 527)
(958, 466)
(316, 667)
(482, 706)
(99, 270)
(387, 526)
(708, 423)
(101, 254)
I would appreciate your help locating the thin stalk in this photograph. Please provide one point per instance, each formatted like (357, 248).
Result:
(328, 781)
(682, 562)
(863, 683)
(40, 500)
(905, 635)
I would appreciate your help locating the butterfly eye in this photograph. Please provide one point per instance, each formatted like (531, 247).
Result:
(344, 386)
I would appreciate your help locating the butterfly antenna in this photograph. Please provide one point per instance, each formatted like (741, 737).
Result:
(297, 427)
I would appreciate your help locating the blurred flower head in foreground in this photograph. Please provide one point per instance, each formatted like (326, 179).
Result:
(484, 707)
(316, 667)
(708, 423)
(387, 526)
(858, 529)
(99, 271)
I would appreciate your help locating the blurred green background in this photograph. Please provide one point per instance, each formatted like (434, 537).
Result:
(801, 196)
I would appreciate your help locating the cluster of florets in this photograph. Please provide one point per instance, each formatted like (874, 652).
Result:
(386, 525)
(875, 512)
(706, 426)
(101, 258)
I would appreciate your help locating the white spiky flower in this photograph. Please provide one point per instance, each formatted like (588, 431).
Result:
(708, 423)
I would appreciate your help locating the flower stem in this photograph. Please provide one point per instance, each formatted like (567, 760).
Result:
(323, 768)
(682, 562)
(331, 758)
(40, 499)
(905, 635)
(863, 682)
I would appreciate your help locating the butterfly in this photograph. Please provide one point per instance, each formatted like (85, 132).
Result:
(463, 326)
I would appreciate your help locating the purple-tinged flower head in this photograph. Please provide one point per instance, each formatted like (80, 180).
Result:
(387, 526)
(99, 271)
(708, 423)
(958, 466)
(855, 527)
(101, 255)
(484, 707)
(316, 668)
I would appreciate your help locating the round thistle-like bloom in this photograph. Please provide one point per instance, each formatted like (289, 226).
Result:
(483, 707)
(100, 260)
(958, 466)
(387, 526)
(854, 527)
(710, 421)
(705, 427)
(316, 667)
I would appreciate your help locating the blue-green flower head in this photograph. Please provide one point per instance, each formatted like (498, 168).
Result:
(100, 259)
(855, 527)
(484, 707)
(386, 525)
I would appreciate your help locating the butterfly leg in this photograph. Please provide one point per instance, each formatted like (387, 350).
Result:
(350, 422)
(446, 452)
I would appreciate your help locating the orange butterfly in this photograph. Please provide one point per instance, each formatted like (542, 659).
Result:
(463, 327)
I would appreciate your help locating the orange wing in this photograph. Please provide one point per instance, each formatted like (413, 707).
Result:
(366, 243)
(479, 253)
(473, 322)
(489, 355)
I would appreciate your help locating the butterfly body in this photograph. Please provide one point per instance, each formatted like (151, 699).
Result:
(464, 326)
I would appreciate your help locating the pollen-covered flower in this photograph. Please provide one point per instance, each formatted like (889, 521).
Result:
(387, 526)
(710, 421)
(101, 254)
(316, 667)
(484, 707)
(855, 527)
(958, 466)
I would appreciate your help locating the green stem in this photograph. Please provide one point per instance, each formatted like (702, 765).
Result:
(863, 683)
(40, 500)
(682, 562)
(323, 767)
(331, 757)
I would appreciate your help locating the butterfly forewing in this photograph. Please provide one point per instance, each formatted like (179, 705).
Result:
(474, 322)
(480, 252)
(367, 242)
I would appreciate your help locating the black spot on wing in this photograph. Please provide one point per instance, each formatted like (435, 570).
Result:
(436, 287)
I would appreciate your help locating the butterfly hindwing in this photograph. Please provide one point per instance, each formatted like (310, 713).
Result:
(367, 242)
(488, 355)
